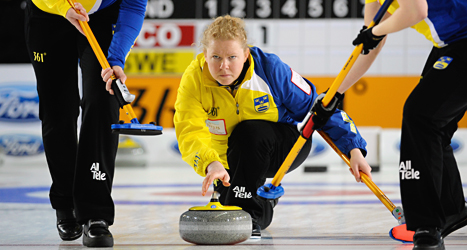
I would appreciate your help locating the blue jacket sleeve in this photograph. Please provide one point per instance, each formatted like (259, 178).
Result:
(343, 132)
(129, 23)
(295, 93)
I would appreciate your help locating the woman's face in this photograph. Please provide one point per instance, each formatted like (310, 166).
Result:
(225, 59)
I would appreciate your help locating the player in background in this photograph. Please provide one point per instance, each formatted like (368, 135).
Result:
(430, 183)
(82, 168)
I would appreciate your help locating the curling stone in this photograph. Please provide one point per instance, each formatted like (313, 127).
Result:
(215, 224)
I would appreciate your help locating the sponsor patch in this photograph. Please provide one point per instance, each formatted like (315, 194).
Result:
(443, 62)
(407, 172)
(240, 192)
(347, 119)
(298, 80)
(96, 173)
(261, 104)
(217, 127)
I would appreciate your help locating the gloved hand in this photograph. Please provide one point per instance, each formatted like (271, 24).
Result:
(369, 40)
(321, 113)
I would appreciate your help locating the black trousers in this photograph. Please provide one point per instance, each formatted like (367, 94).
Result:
(256, 150)
(82, 173)
(431, 187)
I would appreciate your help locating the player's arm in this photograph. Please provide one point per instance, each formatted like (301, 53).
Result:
(363, 62)
(345, 135)
(358, 163)
(409, 13)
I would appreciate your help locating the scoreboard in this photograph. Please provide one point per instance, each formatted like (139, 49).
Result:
(306, 34)
(255, 9)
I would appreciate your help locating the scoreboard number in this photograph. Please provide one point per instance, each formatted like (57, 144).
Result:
(289, 8)
(264, 8)
(315, 8)
(238, 8)
(211, 6)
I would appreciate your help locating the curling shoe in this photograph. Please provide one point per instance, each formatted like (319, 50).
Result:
(428, 238)
(97, 234)
(256, 231)
(273, 202)
(67, 227)
(455, 222)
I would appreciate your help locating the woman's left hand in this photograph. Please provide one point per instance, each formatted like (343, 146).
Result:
(74, 17)
(357, 164)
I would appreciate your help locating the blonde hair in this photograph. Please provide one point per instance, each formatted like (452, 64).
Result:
(225, 28)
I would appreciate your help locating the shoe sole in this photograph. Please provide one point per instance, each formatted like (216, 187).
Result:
(430, 248)
(98, 242)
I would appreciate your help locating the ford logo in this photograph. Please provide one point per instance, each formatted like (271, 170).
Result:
(455, 144)
(21, 144)
(19, 102)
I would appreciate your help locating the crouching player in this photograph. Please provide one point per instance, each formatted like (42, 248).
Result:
(236, 117)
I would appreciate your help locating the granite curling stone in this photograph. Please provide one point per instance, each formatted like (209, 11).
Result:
(215, 224)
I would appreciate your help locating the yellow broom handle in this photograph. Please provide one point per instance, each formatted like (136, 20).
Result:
(327, 98)
(340, 78)
(99, 54)
(92, 40)
(288, 161)
(350, 62)
(371, 185)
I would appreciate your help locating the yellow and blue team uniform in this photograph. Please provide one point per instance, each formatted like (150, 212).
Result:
(432, 193)
(249, 127)
(82, 167)
(446, 22)
(130, 19)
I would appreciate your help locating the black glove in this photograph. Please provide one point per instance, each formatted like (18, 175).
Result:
(321, 113)
(369, 40)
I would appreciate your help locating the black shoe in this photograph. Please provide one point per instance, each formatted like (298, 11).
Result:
(67, 227)
(273, 202)
(97, 234)
(256, 231)
(428, 238)
(454, 222)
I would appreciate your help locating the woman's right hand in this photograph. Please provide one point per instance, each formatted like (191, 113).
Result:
(106, 74)
(215, 170)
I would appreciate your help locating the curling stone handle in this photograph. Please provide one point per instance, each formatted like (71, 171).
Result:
(215, 196)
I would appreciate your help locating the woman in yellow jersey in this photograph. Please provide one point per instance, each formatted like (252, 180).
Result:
(431, 187)
(236, 118)
(82, 173)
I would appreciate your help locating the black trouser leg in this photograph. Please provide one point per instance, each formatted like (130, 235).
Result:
(82, 175)
(97, 145)
(431, 187)
(452, 189)
(50, 40)
(452, 192)
(256, 151)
